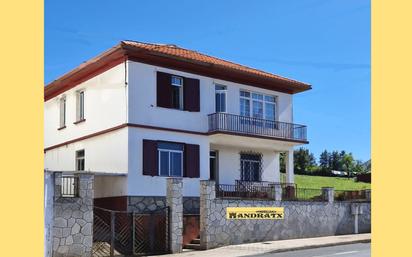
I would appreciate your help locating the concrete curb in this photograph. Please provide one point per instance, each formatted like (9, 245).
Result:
(277, 246)
(358, 241)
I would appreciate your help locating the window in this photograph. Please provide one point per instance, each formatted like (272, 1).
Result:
(250, 167)
(79, 160)
(80, 106)
(220, 98)
(69, 186)
(170, 159)
(244, 103)
(62, 123)
(177, 92)
(258, 106)
(213, 165)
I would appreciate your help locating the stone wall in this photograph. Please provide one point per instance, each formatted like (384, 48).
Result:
(73, 219)
(48, 212)
(174, 201)
(302, 220)
(191, 204)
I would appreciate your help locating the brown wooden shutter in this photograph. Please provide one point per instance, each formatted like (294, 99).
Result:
(150, 162)
(164, 90)
(191, 95)
(192, 161)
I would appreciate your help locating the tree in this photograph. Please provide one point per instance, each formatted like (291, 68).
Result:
(324, 161)
(304, 161)
(334, 161)
(348, 163)
(359, 167)
(282, 163)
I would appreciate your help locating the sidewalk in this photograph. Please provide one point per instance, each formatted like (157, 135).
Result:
(276, 246)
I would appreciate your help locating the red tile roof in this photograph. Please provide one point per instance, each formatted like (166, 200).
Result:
(176, 51)
(174, 57)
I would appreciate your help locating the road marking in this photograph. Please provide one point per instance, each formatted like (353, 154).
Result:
(346, 252)
(334, 254)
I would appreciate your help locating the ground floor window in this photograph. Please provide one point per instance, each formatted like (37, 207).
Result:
(250, 166)
(170, 159)
(80, 160)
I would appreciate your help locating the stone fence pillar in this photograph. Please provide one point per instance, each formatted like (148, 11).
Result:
(276, 190)
(368, 194)
(174, 200)
(73, 217)
(328, 194)
(207, 196)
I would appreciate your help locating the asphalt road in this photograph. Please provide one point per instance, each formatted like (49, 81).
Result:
(351, 250)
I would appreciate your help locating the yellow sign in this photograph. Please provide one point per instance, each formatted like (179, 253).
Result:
(257, 213)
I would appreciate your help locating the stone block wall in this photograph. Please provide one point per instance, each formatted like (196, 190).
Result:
(48, 212)
(73, 219)
(191, 204)
(174, 201)
(302, 220)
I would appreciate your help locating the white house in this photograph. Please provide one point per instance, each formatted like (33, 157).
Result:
(141, 112)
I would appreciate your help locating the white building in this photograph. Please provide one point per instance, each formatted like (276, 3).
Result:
(141, 112)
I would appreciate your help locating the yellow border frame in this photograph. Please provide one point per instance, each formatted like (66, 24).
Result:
(21, 110)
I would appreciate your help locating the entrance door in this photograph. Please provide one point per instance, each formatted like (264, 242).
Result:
(213, 166)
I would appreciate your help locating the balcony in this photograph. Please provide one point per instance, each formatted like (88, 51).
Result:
(248, 126)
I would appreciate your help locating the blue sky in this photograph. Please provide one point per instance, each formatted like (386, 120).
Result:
(323, 42)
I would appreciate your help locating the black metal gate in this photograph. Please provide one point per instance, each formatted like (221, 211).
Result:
(121, 233)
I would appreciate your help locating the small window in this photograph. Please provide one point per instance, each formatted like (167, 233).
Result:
(170, 159)
(80, 106)
(177, 92)
(220, 98)
(80, 160)
(70, 186)
(62, 123)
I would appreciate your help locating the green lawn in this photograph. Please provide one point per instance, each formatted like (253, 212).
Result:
(304, 181)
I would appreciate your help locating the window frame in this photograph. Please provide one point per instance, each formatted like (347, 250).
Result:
(221, 91)
(80, 158)
(169, 152)
(250, 158)
(180, 90)
(69, 186)
(80, 100)
(263, 101)
(62, 113)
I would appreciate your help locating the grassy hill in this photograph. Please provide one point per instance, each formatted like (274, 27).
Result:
(304, 181)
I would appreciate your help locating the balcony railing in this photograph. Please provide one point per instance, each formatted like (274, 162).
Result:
(224, 122)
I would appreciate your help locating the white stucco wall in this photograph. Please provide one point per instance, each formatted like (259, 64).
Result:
(106, 186)
(229, 164)
(109, 103)
(156, 186)
(143, 110)
(105, 153)
(104, 107)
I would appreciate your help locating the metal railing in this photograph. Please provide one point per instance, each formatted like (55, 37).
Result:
(70, 186)
(302, 194)
(243, 191)
(290, 192)
(353, 195)
(224, 122)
